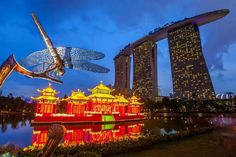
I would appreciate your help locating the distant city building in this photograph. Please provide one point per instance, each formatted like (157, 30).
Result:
(145, 70)
(190, 75)
(122, 75)
(189, 70)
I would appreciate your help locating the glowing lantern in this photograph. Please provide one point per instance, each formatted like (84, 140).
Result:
(135, 106)
(101, 100)
(121, 104)
(46, 102)
(76, 102)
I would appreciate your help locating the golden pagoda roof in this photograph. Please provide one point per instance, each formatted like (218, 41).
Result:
(45, 97)
(121, 99)
(49, 89)
(101, 88)
(101, 91)
(135, 101)
(79, 95)
(100, 95)
(46, 94)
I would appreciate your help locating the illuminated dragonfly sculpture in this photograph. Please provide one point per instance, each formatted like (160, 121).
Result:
(50, 63)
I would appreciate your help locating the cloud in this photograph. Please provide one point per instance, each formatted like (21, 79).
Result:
(107, 26)
(224, 80)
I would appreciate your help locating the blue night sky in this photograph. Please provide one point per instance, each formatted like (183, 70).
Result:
(107, 26)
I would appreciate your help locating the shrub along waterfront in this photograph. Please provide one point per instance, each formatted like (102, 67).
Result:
(112, 148)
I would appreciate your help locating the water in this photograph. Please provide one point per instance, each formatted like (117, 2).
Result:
(18, 130)
(219, 143)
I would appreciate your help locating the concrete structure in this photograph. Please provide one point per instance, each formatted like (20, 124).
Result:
(122, 70)
(185, 47)
(189, 70)
(145, 70)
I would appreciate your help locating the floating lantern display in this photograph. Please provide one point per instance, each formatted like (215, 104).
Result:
(98, 107)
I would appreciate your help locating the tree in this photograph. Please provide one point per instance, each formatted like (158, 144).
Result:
(166, 102)
(10, 96)
(61, 107)
(65, 96)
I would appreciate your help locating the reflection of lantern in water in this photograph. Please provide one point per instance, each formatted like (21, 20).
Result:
(90, 133)
(134, 130)
(39, 138)
(76, 136)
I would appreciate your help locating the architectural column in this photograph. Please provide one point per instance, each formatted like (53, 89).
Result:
(122, 75)
(145, 70)
(190, 75)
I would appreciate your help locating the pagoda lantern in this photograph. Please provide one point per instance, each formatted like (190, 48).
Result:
(134, 106)
(99, 106)
(76, 103)
(121, 104)
(101, 100)
(46, 102)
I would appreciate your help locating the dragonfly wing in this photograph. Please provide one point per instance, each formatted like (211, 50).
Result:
(36, 58)
(84, 65)
(41, 67)
(67, 54)
(72, 55)
(40, 57)
(84, 54)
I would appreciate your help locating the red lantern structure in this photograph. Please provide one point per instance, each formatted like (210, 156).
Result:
(46, 102)
(99, 107)
(76, 103)
(134, 107)
(102, 102)
(121, 105)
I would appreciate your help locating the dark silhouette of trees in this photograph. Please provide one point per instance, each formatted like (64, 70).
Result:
(185, 105)
(61, 107)
(10, 104)
(65, 96)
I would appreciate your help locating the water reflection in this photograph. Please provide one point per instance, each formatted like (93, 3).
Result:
(81, 134)
(225, 136)
(14, 120)
(222, 121)
(172, 125)
(17, 130)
